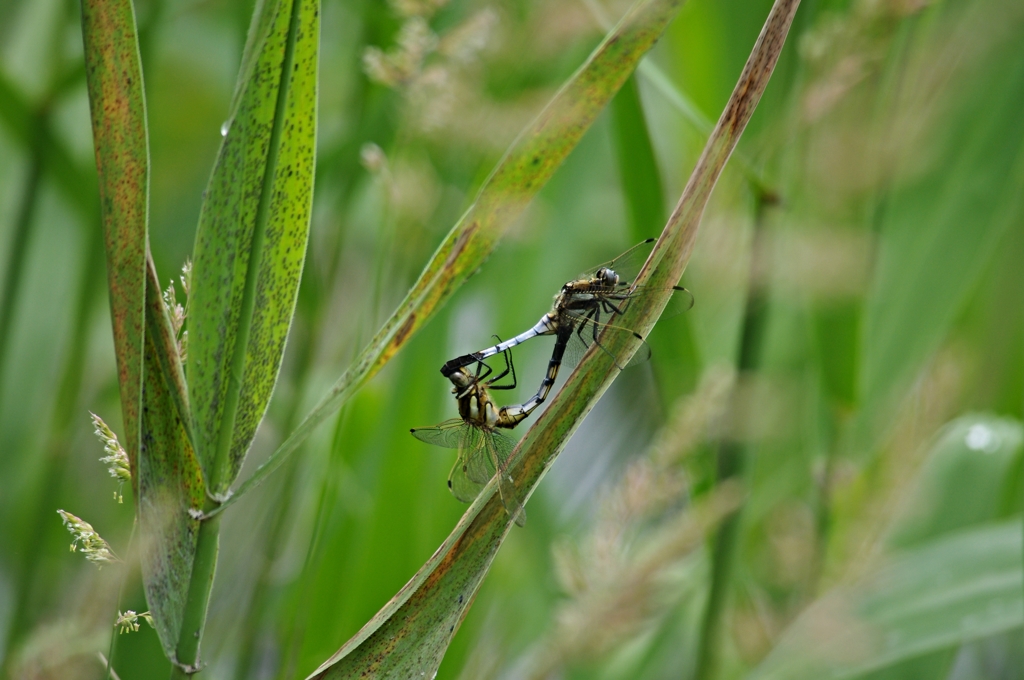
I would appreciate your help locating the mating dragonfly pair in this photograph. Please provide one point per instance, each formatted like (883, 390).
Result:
(582, 316)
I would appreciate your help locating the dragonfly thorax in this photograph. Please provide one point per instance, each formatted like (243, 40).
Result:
(477, 408)
(475, 404)
(604, 280)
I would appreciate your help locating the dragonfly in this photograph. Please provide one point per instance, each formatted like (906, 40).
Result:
(583, 316)
(484, 450)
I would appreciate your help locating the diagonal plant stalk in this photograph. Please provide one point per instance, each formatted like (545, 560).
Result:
(409, 636)
(528, 164)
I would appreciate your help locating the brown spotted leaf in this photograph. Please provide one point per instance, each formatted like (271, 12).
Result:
(118, 111)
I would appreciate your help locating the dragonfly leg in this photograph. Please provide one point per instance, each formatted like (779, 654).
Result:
(613, 309)
(481, 365)
(587, 318)
(592, 320)
(596, 317)
(509, 367)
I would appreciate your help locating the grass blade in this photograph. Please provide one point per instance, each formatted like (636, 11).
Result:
(251, 241)
(16, 256)
(959, 588)
(409, 636)
(526, 167)
(35, 134)
(118, 111)
(638, 168)
(170, 482)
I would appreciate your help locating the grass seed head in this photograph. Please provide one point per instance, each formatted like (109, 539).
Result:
(85, 538)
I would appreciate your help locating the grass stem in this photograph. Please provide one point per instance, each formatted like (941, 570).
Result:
(17, 255)
(731, 463)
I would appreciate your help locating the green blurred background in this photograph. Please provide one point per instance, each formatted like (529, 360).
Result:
(862, 254)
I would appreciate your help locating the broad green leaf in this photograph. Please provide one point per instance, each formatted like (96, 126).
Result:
(118, 110)
(526, 167)
(263, 16)
(961, 587)
(967, 479)
(409, 636)
(251, 240)
(966, 482)
(170, 481)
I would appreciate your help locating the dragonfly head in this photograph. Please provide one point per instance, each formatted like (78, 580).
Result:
(462, 382)
(606, 277)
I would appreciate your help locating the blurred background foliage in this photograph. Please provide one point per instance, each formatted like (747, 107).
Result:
(860, 262)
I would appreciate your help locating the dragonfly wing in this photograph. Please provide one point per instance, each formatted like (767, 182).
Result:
(461, 486)
(589, 332)
(503, 446)
(476, 461)
(628, 264)
(641, 356)
(680, 300)
(500, 448)
(448, 434)
(468, 476)
(574, 351)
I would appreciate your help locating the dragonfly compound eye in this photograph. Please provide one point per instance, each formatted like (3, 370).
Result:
(460, 378)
